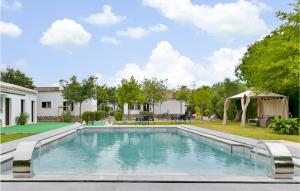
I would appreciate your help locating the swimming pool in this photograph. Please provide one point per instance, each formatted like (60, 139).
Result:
(140, 151)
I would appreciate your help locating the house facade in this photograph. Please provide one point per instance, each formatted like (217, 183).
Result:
(16, 100)
(169, 106)
(51, 104)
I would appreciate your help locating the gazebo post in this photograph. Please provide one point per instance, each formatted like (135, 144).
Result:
(244, 102)
(226, 106)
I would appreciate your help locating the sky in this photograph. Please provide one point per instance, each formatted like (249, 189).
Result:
(184, 41)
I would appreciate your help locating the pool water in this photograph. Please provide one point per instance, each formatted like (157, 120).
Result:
(139, 152)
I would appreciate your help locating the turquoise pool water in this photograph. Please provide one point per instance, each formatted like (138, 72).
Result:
(139, 152)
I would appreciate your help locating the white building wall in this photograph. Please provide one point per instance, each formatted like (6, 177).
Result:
(170, 106)
(15, 107)
(57, 100)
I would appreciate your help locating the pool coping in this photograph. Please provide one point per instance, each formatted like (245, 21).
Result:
(56, 134)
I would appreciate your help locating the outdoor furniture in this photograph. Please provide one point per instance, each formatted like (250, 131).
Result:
(179, 118)
(254, 122)
(144, 118)
(263, 122)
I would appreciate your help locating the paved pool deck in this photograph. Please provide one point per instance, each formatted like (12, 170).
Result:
(149, 182)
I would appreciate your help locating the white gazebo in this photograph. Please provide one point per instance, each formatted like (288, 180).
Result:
(268, 104)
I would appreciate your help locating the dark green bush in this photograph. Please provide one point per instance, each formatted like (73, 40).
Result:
(207, 112)
(118, 116)
(285, 126)
(88, 116)
(22, 119)
(67, 116)
(146, 113)
(100, 115)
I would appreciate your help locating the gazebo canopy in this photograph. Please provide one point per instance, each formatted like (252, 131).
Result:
(252, 94)
(268, 103)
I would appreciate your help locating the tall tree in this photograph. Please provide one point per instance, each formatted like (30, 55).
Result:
(16, 77)
(223, 90)
(272, 64)
(154, 91)
(182, 94)
(76, 92)
(129, 91)
(102, 95)
(201, 97)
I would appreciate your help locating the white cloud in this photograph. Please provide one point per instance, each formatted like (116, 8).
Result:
(236, 19)
(15, 5)
(100, 78)
(10, 29)
(110, 40)
(140, 32)
(65, 34)
(21, 63)
(167, 63)
(106, 17)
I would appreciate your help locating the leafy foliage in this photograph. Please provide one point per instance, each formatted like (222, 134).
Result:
(272, 64)
(16, 77)
(99, 115)
(22, 119)
(182, 94)
(201, 97)
(129, 92)
(118, 116)
(76, 92)
(67, 116)
(223, 90)
(154, 91)
(285, 126)
(88, 116)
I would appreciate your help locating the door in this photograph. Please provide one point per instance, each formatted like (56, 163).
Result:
(7, 111)
(32, 111)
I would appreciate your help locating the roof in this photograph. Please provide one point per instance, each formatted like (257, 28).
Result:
(12, 87)
(47, 89)
(250, 93)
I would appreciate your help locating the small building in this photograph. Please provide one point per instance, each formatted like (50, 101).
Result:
(51, 104)
(16, 100)
(169, 106)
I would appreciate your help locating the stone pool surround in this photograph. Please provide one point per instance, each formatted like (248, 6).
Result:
(231, 143)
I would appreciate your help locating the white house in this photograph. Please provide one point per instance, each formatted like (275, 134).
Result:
(51, 104)
(169, 106)
(16, 100)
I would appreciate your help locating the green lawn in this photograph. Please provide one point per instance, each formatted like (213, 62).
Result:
(261, 133)
(96, 123)
(19, 131)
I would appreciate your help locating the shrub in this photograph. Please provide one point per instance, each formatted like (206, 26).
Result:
(118, 116)
(22, 119)
(198, 113)
(207, 112)
(100, 115)
(88, 116)
(146, 113)
(285, 126)
(67, 116)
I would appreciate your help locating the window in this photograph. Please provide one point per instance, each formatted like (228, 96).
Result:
(22, 105)
(65, 107)
(46, 104)
(131, 107)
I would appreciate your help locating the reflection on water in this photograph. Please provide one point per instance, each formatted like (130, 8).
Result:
(138, 152)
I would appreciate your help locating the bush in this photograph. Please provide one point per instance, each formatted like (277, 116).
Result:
(146, 113)
(67, 116)
(88, 116)
(207, 112)
(118, 116)
(198, 113)
(22, 119)
(100, 115)
(285, 126)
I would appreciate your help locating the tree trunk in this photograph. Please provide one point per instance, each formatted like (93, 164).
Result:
(128, 112)
(153, 108)
(80, 110)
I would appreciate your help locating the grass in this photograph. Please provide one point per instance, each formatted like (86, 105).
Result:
(11, 137)
(234, 128)
(96, 123)
(14, 132)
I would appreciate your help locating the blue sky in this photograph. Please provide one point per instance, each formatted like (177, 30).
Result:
(179, 40)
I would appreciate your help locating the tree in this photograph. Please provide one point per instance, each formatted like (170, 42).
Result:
(182, 94)
(223, 90)
(154, 91)
(201, 97)
(129, 91)
(102, 95)
(16, 77)
(76, 92)
(272, 64)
